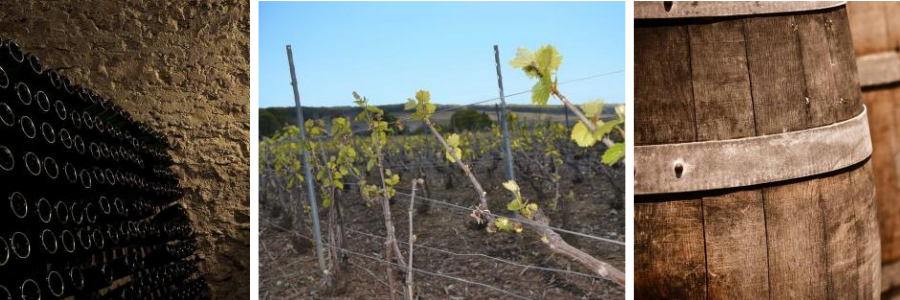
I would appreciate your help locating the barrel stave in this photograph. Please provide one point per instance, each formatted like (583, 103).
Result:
(702, 79)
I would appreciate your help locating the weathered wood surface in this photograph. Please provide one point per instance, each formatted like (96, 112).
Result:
(707, 9)
(876, 38)
(712, 165)
(876, 26)
(890, 276)
(878, 69)
(884, 123)
(699, 80)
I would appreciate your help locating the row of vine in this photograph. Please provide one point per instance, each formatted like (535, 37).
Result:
(371, 160)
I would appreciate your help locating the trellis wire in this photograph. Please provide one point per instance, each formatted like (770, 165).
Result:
(486, 256)
(519, 93)
(348, 251)
(460, 279)
(526, 267)
(394, 166)
(467, 209)
(502, 97)
(517, 220)
(452, 108)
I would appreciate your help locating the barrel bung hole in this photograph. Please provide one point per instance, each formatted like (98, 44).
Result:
(679, 169)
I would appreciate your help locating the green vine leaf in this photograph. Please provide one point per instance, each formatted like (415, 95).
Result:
(614, 154)
(454, 142)
(593, 108)
(525, 60)
(514, 206)
(548, 60)
(505, 224)
(540, 93)
(541, 64)
(604, 128)
(585, 138)
(326, 201)
(582, 135)
(529, 210)
(511, 186)
(422, 104)
(457, 152)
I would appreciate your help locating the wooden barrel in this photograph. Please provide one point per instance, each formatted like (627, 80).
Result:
(731, 75)
(876, 38)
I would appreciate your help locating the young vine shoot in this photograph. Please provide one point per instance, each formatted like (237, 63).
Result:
(379, 159)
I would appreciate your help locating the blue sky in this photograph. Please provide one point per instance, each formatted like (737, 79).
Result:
(387, 51)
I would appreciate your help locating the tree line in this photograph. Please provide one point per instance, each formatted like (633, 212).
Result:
(272, 119)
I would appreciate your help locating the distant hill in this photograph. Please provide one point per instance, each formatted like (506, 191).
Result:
(273, 118)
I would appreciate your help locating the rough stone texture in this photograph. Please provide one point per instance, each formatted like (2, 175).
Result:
(183, 67)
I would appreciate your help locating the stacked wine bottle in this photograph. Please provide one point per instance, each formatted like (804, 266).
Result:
(88, 205)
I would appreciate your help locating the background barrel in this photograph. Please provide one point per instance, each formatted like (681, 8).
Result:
(876, 39)
(729, 77)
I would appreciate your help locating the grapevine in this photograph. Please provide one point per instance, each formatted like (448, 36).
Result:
(376, 158)
(423, 111)
(543, 64)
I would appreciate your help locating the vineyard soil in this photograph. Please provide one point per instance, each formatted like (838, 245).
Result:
(596, 210)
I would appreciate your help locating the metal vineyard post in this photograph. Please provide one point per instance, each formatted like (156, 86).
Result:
(310, 185)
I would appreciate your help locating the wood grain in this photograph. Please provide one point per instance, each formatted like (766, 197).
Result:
(885, 135)
(665, 101)
(869, 253)
(737, 257)
(779, 89)
(721, 84)
(868, 20)
(671, 262)
(841, 228)
(669, 251)
(875, 25)
(876, 33)
(711, 9)
(891, 11)
(815, 56)
(699, 80)
(843, 64)
(796, 239)
(734, 224)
